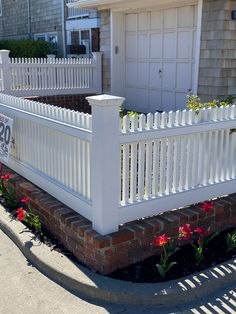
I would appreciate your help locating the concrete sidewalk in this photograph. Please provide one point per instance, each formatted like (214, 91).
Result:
(24, 290)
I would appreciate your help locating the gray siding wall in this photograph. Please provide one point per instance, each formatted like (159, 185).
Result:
(217, 73)
(46, 16)
(105, 47)
(14, 19)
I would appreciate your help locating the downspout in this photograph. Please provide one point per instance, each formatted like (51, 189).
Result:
(29, 18)
(63, 28)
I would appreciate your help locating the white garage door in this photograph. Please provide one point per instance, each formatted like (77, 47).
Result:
(160, 57)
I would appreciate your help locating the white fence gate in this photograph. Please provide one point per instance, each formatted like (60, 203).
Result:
(114, 170)
(50, 76)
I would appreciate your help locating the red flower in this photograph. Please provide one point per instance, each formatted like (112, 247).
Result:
(160, 240)
(185, 232)
(21, 213)
(6, 177)
(202, 232)
(25, 200)
(207, 206)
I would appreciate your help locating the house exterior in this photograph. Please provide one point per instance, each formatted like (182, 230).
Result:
(51, 21)
(82, 29)
(157, 52)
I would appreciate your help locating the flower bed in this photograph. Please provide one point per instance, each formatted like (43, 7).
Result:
(199, 248)
(204, 250)
(146, 271)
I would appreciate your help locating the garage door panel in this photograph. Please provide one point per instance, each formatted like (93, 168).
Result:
(143, 42)
(169, 42)
(142, 78)
(155, 102)
(156, 45)
(143, 21)
(131, 22)
(168, 75)
(185, 45)
(131, 74)
(168, 101)
(156, 20)
(136, 99)
(181, 99)
(186, 17)
(170, 18)
(184, 76)
(155, 78)
(131, 46)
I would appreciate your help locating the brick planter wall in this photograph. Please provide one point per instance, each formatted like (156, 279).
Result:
(73, 102)
(131, 243)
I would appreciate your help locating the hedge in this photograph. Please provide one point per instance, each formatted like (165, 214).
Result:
(26, 48)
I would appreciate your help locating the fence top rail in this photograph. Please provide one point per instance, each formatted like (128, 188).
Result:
(168, 120)
(47, 61)
(160, 125)
(52, 65)
(66, 116)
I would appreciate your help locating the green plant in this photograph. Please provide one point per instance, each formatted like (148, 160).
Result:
(231, 240)
(27, 216)
(194, 103)
(26, 48)
(203, 238)
(168, 250)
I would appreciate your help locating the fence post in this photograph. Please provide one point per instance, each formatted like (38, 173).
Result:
(6, 71)
(51, 58)
(105, 162)
(97, 75)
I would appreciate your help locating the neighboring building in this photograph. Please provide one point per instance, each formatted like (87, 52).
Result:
(156, 52)
(47, 20)
(82, 29)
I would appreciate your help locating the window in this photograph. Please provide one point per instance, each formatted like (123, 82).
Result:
(82, 37)
(51, 38)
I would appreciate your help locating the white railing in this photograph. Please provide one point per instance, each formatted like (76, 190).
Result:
(114, 170)
(49, 76)
(149, 164)
(51, 147)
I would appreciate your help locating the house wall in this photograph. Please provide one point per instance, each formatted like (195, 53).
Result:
(14, 19)
(217, 73)
(45, 17)
(105, 47)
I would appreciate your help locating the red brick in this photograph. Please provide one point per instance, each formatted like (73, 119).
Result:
(101, 242)
(122, 235)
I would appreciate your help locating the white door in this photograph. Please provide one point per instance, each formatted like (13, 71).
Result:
(160, 58)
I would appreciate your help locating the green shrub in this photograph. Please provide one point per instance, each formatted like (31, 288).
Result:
(26, 48)
(194, 102)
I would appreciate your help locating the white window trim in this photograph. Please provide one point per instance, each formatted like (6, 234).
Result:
(45, 35)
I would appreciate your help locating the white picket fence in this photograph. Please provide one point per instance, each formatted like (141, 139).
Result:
(50, 76)
(114, 170)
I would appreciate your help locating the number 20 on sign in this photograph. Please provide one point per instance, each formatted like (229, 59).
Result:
(6, 124)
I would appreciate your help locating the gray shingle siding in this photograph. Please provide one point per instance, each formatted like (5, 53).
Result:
(217, 73)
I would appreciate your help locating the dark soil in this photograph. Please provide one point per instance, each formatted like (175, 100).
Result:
(146, 271)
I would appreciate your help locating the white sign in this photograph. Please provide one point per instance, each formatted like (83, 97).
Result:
(6, 124)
